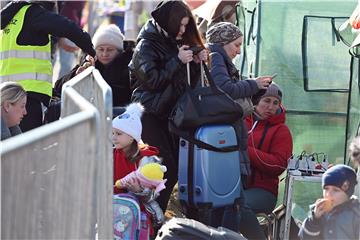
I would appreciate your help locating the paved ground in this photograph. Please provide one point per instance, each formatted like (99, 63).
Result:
(174, 208)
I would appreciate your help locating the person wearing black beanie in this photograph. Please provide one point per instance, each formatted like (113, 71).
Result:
(337, 214)
(158, 77)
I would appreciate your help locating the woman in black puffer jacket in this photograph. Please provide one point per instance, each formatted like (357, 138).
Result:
(158, 76)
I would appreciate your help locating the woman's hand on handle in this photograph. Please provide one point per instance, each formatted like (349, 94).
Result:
(90, 61)
(185, 55)
(201, 56)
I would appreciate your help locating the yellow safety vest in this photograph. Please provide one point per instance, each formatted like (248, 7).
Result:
(28, 65)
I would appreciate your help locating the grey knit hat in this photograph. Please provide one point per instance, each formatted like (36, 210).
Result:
(273, 91)
(223, 33)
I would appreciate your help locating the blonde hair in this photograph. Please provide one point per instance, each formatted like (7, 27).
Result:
(11, 92)
(355, 149)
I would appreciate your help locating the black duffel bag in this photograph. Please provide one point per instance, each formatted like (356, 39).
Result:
(204, 105)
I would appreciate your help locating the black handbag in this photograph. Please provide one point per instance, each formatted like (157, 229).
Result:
(204, 105)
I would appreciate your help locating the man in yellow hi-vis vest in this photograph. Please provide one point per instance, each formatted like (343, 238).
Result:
(25, 51)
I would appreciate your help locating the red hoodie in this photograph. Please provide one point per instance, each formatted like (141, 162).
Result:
(123, 167)
(268, 162)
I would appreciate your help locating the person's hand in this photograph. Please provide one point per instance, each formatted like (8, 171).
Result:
(133, 186)
(90, 61)
(185, 55)
(67, 45)
(201, 56)
(355, 17)
(322, 206)
(83, 67)
(263, 82)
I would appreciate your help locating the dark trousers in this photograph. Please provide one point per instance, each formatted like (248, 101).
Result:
(34, 116)
(241, 220)
(155, 133)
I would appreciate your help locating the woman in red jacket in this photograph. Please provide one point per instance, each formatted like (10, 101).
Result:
(269, 147)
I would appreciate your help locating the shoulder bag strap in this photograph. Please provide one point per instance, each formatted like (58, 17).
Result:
(263, 136)
(187, 136)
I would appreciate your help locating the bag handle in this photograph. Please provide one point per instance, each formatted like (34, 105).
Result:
(210, 79)
(203, 69)
(201, 74)
(187, 136)
(188, 73)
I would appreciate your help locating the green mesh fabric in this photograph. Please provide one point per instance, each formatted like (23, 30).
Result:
(300, 42)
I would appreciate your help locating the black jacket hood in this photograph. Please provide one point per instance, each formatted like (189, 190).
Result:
(150, 32)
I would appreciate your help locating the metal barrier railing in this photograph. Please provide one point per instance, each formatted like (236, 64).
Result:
(56, 180)
(93, 87)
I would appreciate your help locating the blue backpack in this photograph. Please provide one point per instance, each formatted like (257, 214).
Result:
(129, 222)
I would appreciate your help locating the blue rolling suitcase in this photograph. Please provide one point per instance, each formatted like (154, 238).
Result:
(209, 178)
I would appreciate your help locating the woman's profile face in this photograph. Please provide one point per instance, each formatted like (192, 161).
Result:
(267, 107)
(15, 112)
(106, 53)
(233, 48)
(184, 22)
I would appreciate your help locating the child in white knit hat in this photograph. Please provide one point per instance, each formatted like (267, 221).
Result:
(129, 153)
(129, 148)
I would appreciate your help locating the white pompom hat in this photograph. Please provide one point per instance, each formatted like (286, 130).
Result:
(109, 34)
(130, 121)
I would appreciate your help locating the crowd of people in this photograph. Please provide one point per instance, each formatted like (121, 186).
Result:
(148, 80)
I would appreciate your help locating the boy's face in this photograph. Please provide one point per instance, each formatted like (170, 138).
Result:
(120, 139)
(335, 194)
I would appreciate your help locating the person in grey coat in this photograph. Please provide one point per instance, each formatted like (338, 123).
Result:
(224, 41)
(13, 102)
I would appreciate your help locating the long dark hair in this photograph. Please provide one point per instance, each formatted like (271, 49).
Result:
(169, 13)
(191, 35)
